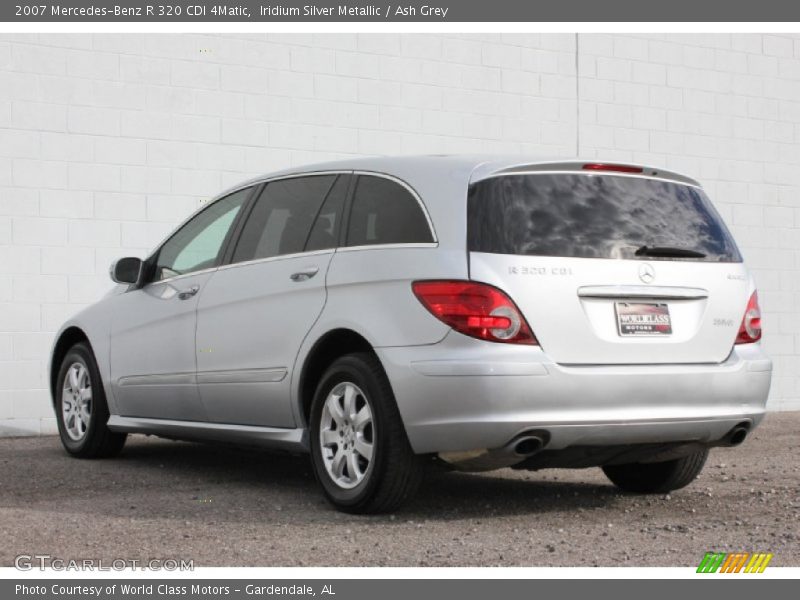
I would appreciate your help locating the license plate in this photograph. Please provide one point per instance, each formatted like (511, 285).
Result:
(640, 318)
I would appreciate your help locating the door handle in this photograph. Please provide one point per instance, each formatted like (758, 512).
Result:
(305, 274)
(186, 294)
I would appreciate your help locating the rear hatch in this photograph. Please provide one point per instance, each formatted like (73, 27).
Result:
(608, 267)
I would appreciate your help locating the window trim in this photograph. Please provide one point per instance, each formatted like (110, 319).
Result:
(388, 246)
(256, 261)
(177, 277)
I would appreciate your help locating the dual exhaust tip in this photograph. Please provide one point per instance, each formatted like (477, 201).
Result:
(529, 444)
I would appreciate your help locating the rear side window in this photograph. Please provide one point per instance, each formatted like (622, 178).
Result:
(385, 212)
(594, 216)
(281, 219)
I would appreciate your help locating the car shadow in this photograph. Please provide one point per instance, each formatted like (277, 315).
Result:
(175, 478)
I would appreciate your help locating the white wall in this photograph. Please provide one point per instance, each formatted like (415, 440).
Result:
(106, 141)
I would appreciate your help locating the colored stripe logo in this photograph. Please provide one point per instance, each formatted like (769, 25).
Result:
(735, 562)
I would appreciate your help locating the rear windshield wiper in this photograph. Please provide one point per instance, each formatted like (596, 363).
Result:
(668, 252)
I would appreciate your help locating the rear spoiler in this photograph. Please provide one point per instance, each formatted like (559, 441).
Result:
(489, 170)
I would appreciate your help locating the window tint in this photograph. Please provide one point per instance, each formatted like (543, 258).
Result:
(385, 212)
(594, 216)
(197, 244)
(325, 233)
(282, 216)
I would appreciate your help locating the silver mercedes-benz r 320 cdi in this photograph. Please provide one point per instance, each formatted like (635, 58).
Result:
(381, 314)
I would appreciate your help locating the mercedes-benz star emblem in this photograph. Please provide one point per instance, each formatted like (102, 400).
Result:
(647, 273)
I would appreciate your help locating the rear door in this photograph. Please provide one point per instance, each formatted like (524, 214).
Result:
(610, 268)
(255, 311)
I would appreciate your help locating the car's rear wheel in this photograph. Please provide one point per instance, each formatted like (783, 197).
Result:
(359, 448)
(81, 408)
(659, 477)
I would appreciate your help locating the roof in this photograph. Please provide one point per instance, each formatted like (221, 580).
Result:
(470, 167)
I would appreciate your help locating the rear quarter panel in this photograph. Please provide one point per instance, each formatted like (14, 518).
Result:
(369, 292)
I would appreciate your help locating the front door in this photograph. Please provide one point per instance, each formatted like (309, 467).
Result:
(152, 354)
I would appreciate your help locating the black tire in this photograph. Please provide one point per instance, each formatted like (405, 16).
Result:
(395, 472)
(98, 441)
(659, 477)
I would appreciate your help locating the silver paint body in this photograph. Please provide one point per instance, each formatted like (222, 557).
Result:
(225, 364)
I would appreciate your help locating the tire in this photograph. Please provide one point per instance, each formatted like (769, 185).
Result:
(350, 481)
(79, 438)
(660, 477)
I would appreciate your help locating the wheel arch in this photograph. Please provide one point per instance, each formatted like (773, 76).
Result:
(328, 347)
(67, 339)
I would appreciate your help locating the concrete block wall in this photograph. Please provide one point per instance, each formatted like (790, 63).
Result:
(108, 141)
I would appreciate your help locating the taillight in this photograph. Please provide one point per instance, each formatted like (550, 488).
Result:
(612, 167)
(475, 309)
(750, 329)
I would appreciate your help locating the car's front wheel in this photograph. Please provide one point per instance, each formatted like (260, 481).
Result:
(81, 408)
(359, 448)
(658, 477)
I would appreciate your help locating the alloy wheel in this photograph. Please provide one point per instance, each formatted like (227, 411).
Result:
(347, 435)
(76, 401)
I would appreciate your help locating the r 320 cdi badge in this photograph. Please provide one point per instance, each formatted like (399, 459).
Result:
(381, 313)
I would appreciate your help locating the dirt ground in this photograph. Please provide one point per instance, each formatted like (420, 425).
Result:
(232, 507)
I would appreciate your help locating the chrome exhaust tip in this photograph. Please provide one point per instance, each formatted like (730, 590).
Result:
(528, 446)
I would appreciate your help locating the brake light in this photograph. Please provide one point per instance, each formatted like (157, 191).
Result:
(476, 309)
(612, 167)
(750, 329)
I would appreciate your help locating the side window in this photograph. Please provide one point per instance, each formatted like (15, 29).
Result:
(385, 212)
(198, 244)
(281, 219)
(325, 232)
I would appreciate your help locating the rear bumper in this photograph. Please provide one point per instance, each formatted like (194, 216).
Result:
(463, 395)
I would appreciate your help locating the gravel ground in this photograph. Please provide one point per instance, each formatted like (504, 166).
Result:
(231, 507)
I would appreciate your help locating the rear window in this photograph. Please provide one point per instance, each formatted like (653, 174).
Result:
(594, 216)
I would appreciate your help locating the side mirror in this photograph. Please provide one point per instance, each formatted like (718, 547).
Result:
(126, 270)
